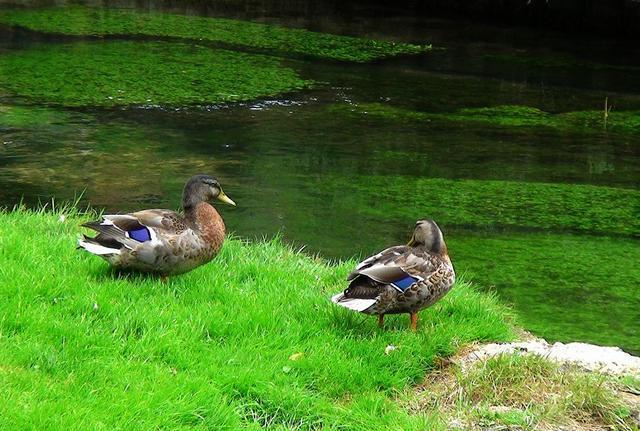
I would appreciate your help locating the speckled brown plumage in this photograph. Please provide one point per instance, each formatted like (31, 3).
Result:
(163, 241)
(402, 279)
(211, 226)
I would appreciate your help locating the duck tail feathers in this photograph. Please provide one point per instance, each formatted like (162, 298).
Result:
(109, 235)
(355, 304)
(95, 247)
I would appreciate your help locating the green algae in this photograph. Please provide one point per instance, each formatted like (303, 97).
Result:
(556, 280)
(617, 121)
(508, 116)
(83, 21)
(495, 204)
(114, 73)
(32, 117)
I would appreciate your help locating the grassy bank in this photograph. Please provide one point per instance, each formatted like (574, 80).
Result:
(247, 342)
(251, 341)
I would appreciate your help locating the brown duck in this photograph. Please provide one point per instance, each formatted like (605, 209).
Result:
(401, 279)
(163, 241)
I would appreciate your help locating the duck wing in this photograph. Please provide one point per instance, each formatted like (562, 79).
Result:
(396, 268)
(116, 231)
(167, 220)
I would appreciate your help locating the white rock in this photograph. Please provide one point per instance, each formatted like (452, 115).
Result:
(608, 360)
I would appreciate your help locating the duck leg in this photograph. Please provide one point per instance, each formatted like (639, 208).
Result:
(380, 320)
(414, 322)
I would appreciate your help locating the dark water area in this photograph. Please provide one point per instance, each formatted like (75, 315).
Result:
(613, 17)
(323, 170)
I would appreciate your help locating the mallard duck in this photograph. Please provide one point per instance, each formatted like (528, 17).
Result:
(163, 241)
(401, 279)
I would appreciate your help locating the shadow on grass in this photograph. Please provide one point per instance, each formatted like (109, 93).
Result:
(104, 273)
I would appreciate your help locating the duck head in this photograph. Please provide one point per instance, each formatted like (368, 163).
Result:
(427, 234)
(203, 188)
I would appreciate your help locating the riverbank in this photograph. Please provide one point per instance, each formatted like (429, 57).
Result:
(249, 341)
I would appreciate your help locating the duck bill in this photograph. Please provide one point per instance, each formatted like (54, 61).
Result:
(226, 199)
(412, 241)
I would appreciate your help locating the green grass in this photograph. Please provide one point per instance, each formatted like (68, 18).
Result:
(524, 392)
(142, 73)
(84, 348)
(508, 116)
(84, 21)
(631, 384)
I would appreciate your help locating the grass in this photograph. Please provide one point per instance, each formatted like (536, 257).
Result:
(524, 393)
(85, 21)
(142, 73)
(249, 341)
(627, 122)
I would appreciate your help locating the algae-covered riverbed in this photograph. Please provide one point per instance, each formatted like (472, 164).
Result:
(340, 137)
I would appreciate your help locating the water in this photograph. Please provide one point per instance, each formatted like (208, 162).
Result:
(316, 167)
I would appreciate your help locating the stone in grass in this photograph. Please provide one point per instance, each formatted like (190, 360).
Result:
(606, 360)
(116, 73)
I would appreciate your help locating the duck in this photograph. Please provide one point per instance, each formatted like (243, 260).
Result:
(402, 278)
(162, 241)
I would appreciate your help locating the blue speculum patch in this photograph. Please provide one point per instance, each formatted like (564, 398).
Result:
(404, 283)
(141, 234)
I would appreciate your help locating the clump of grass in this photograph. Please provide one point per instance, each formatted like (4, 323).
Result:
(249, 341)
(143, 73)
(631, 383)
(86, 21)
(528, 392)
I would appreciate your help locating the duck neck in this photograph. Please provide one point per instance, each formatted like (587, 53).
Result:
(439, 248)
(208, 222)
(189, 204)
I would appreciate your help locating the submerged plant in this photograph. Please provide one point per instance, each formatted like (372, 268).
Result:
(142, 73)
(85, 21)
(569, 207)
(508, 116)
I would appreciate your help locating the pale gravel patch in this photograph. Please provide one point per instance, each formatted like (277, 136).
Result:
(607, 360)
